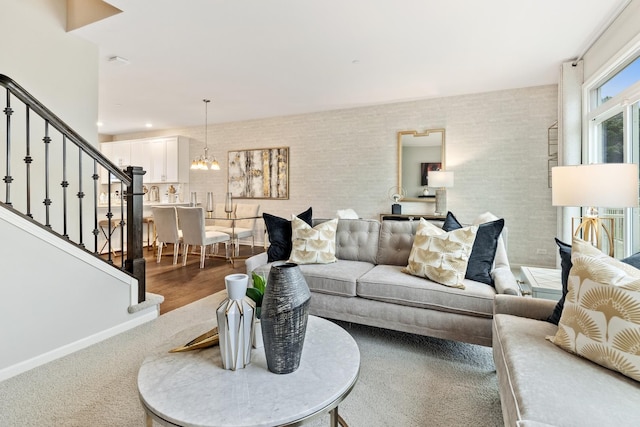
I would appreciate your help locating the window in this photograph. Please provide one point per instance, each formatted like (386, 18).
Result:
(613, 136)
(619, 82)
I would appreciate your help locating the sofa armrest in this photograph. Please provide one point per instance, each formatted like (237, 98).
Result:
(533, 308)
(505, 282)
(255, 261)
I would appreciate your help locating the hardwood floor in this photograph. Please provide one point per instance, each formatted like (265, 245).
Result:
(183, 285)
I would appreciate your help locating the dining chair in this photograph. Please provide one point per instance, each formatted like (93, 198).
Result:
(219, 223)
(167, 231)
(107, 227)
(192, 224)
(244, 228)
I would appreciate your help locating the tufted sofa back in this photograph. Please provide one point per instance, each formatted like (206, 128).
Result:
(396, 240)
(356, 239)
(389, 242)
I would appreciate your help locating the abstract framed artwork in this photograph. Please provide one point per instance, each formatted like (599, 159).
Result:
(259, 174)
(424, 171)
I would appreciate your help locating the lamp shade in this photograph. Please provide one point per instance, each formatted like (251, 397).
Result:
(611, 185)
(440, 179)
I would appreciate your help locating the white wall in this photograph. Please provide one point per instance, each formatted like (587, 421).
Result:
(61, 71)
(496, 144)
(58, 68)
(56, 298)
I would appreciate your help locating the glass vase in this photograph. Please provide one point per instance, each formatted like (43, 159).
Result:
(228, 204)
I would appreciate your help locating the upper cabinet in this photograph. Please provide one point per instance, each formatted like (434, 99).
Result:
(165, 159)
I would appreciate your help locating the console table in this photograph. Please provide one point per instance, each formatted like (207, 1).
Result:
(410, 217)
(192, 388)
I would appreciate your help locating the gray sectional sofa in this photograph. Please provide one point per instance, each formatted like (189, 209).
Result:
(541, 384)
(366, 285)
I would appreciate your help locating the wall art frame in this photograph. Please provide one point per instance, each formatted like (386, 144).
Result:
(261, 173)
(425, 168)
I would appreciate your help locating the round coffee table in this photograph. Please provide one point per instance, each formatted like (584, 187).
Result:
(192, 389)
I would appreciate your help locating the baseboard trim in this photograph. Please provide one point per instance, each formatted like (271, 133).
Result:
(147, 315)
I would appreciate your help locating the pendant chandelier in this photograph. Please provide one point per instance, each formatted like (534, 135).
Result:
(205, 162)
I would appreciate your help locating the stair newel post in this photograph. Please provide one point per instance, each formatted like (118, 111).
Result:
(135, 263)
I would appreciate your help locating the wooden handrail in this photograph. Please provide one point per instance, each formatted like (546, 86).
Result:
(35, 105)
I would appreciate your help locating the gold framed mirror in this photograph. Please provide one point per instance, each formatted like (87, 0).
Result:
(419, 152)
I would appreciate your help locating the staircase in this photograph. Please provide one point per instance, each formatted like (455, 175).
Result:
(61, 290)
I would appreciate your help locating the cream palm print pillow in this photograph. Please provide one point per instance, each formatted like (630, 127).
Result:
(315, 245)
(601, 316)
(439, 255)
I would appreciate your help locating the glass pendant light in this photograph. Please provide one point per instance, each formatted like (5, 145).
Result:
(205, 162)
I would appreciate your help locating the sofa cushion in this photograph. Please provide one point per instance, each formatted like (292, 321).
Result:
(388, 283)
(484, 247)
(279, 230)
(439, 255)
(541, 383)
(338, 278)
(313, 245)
(601, 316)
(396, 241)
(357, 240)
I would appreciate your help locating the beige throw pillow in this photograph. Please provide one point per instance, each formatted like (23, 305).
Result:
(315, 245)
(439, 255)
(601, 316)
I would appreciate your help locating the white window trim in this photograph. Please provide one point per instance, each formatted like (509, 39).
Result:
(594, 115)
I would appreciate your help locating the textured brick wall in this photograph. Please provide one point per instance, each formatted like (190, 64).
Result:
(496, 145)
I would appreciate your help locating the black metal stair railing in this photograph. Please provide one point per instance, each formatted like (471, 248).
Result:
(32, 169)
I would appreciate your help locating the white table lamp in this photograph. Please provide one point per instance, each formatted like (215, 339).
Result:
(441, 180)
(611, 185)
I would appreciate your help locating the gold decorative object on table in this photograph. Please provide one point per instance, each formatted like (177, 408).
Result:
(206, 340)
(171, 194)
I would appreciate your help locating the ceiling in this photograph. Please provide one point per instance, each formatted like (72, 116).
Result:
(259, 58)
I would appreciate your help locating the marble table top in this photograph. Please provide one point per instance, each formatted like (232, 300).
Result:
(192, 388)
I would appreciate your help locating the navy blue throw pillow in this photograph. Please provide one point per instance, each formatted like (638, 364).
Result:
(565, 264)
(484, 248)
(279, 230)
(633, 260)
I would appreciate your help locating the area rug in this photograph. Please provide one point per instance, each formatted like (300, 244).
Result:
(405, 380)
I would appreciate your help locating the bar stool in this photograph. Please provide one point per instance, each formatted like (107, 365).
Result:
(110, 225)
(149, 221)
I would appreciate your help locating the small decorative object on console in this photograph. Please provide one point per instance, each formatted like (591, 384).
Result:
(396, 194)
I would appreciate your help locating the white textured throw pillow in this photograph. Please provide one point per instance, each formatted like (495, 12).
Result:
(601, 316)
(346, 214)
(439, 255)
(315, 245)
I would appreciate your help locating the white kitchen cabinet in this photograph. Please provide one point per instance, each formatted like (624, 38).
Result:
(165, 159)
(119, 153)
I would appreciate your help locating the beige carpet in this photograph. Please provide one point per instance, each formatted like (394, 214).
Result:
(405, 380)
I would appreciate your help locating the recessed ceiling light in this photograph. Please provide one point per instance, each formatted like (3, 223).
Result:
(148, 125)
(99, 124)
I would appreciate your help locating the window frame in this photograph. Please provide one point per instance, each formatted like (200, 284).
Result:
(594, 115)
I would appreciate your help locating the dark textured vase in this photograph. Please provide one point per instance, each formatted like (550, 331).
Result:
(285, 309)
